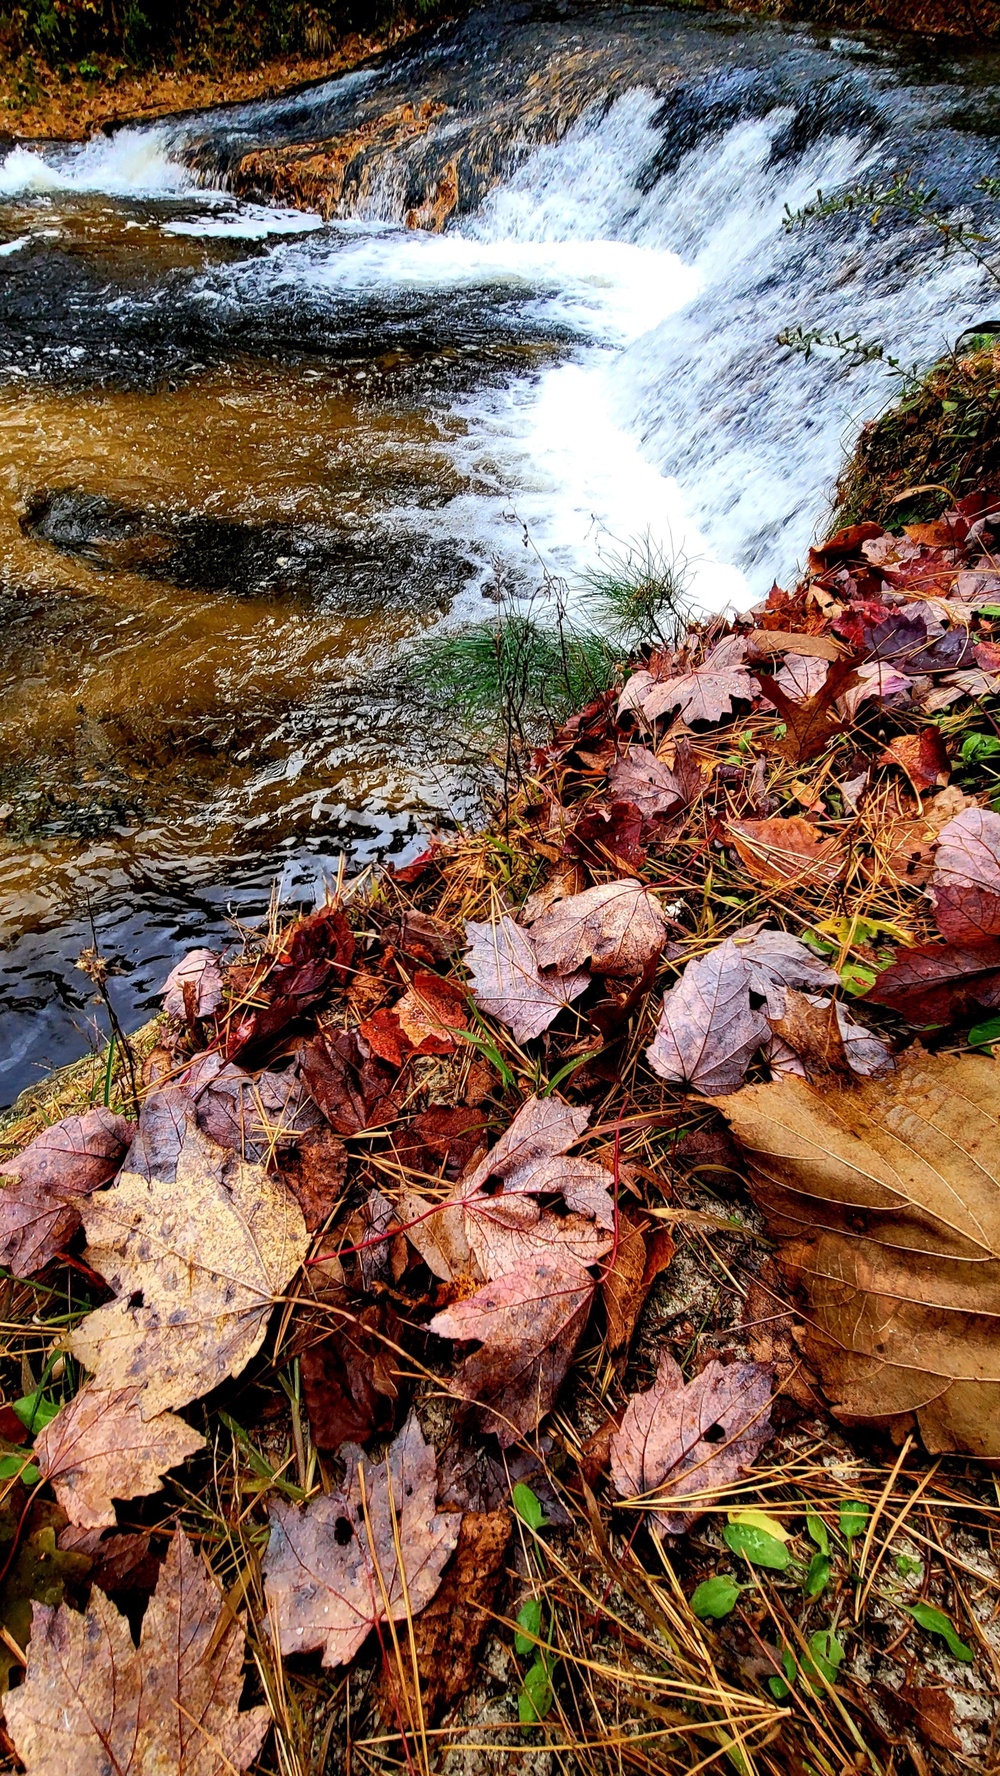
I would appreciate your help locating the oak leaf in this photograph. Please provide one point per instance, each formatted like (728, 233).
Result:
(885, 1199)
(616, 927)
(507, 982)
(966, 880)
(40, 1208)
(528, 1324)
(787, 850)
(92, 1703)
(99, 1447)
(332, 1572)
(810, 722)
(708, 1031)
(196, 1266)
(684, 1442)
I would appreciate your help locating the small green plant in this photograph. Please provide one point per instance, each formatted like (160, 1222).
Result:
(640, 594)
(715, 1598)
(934, 1621)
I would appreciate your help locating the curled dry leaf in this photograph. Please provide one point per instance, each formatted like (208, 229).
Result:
(922, 756)
(193, 989)
(331, 1570)
(316, 956)
(507, 983)
(885, 1197)
(449, 1631)
(99, 1448)
(641, 1253)
(708, 1030)
(617, 928)
(196, 1266)
(966, 880)
(528, 1324)
(92, 1703)
(682, 1442)
(40, 1208)
(787, 850)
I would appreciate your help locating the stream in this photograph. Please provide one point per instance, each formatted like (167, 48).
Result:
(248, 455)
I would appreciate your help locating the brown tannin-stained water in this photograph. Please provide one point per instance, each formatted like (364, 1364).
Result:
(248, 455)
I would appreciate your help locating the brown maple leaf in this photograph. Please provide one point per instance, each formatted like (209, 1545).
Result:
(616, 928)
(708, 1030)
(40, 1208)
(939, 983)
(193, 988)
(810, 722)
(787, 850)
(654, 787)
(683, 1442)
(922, 756)
(196, 1266)
(708, 691)
(99, 1447)
(449, 1631)
(528, 1324)
(332, 1570)
(507, 982)
(884, 1199)
(92, 1703)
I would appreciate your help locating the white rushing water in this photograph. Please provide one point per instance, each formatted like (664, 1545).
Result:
(676, 421)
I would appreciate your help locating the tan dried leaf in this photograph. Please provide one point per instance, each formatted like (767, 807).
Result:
(196, 1266)
(507, 983)
(886, 1198)
(92, 1704)
(618, 927)
(331, 1570)
(528, 1324)
(99, 1448)
(784, 850)
(686, 1441)
(707, 692)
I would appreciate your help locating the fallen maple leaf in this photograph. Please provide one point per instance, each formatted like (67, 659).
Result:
(810, 722)
(609, 838)
(528, 1324)
(876, 679)
(787, 850)
(884, 1198)
(99, 1447)
(640, 1254)
(936, 983)
(708, 1031)
(316, 955)
(966, 880)
(40, 1208)
(802, 676)
(655, 788)
(777, 960)
(193, 988)
(92, 1703)
(350, 1378)
(196, 1267)
(353, 1090)
(821, 1034)
(708, 691)
(332, 1570)
(685, 1442)
(507, 1228)
(429, 1011)
(617, 927)
(507, 983)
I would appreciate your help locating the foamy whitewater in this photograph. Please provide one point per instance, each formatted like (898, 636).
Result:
(674, 421)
